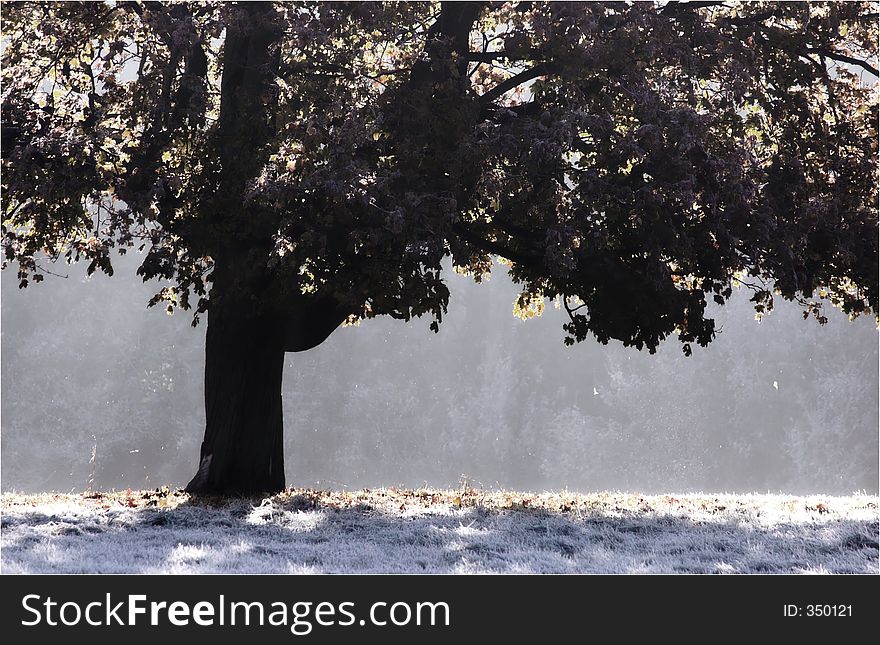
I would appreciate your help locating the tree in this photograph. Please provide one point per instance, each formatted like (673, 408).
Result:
(292, 167)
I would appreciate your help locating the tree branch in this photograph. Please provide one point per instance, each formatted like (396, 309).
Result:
(490, 246)
(454, 22)
(532, 108)
(846, 59)
(515, 81)
(777, 39)
(673, 7)
(488, 57)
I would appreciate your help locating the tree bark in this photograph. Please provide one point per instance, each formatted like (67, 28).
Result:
(250, 327)
(243, 450)
(251, 322)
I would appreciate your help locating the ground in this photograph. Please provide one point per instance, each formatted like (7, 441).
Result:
(430, 531)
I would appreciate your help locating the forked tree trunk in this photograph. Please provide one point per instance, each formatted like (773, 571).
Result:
(243, 451)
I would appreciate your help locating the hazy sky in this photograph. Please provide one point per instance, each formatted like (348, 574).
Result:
(97, 390)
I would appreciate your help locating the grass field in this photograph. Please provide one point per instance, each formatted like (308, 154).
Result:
(431, 531)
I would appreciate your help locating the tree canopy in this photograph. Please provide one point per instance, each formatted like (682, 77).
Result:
(630, 161)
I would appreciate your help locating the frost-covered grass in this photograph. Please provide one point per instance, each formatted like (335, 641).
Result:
(429, 531)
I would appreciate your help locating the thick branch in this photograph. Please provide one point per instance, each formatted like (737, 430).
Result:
(307, 325)
(491, 246)
(454, 22)
(515, 81)
(846, 59)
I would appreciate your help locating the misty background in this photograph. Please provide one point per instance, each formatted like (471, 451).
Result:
(100, 392)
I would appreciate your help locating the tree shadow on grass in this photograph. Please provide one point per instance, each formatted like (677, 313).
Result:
(303, 534)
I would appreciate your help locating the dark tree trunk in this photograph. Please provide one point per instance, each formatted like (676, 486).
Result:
(243, 451)
(247, 337)
(252, 318)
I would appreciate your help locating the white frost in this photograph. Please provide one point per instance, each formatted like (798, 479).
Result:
(394, 531)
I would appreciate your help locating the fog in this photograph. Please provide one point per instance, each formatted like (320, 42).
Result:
(100, 392)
